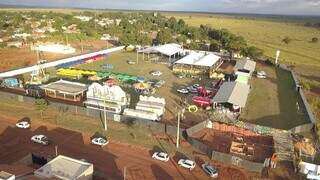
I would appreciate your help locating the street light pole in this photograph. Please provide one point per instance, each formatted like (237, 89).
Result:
(178, 130)
(105, 115)
(180, 116)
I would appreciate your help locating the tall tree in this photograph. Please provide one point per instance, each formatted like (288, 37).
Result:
(41, 105)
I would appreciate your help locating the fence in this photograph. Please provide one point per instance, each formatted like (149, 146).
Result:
(198, 127)
(308, 126)
(225, 158)
(219, 156)
(154, 126)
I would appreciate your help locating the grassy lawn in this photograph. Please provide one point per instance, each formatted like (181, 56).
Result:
(267, 35)
(273, 101)
(116, 131)
(143, 68)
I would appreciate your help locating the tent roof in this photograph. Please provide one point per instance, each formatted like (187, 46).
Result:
(66, 87)
(245, 64)
(199, 59)
(232, 92)
(166, 49)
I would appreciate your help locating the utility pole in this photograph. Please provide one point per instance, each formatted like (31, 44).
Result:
(124, 173)
(180, 116)
(178, 130)
(56, 149)
(105, 114)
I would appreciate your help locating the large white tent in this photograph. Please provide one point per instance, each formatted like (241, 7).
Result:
(199, 59)
(166, 49)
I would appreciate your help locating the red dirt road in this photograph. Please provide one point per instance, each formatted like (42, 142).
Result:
(109, 161)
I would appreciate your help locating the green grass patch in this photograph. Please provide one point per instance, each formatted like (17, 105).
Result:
(267, 35)
(274, 101)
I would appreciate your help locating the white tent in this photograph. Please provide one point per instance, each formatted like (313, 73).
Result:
(166, 49)
(199, 59)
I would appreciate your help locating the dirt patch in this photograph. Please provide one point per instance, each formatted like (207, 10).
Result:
(13, 58)
(231, 140)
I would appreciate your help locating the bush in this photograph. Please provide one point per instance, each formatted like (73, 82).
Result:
(306, 85)
(314, 40)
(286, 40)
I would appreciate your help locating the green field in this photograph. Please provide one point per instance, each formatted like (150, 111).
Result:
(267, 35)
(274, 101)
(143, 68)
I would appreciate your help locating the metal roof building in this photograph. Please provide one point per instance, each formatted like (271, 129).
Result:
(66, 168)
(65, 89)
(232, 92)
(245, 64)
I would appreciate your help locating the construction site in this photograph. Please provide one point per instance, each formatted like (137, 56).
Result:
(237, 141)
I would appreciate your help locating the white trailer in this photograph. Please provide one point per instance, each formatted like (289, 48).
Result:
(101, 106)
(141, 114)
(155, 109)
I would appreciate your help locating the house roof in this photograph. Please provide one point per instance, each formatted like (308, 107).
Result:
(232, 92)
(64, 167)
(199, 59)
(166, 49)
(66, 87)
(245, 64)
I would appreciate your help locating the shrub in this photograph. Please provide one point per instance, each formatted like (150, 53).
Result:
(306, 85)
(314, 40)
(286, 40)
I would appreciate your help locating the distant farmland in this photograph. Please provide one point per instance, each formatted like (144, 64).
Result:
(267, 34)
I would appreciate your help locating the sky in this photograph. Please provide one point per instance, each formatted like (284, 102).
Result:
(293, 7)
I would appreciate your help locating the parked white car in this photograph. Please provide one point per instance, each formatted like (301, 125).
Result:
(210, 170)
(196, 85)
(156, 73)
(99, 141)
(23, 125)
(261, 74)
(161, 156)
(186, 163)
(40, 139)
(183, 91)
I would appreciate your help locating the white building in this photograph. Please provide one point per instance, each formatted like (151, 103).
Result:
(66, 168)
(311, 170)
(111, 98)
(21, 35)
(6, 176)
(54, 48)
(83, 18)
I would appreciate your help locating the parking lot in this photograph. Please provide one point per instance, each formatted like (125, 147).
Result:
(109, 162)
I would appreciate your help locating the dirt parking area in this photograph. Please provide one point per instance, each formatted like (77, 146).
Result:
(109, 162)
(13, 58)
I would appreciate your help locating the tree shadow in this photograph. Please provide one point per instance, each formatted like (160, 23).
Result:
(160, 173)
(156, 149)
